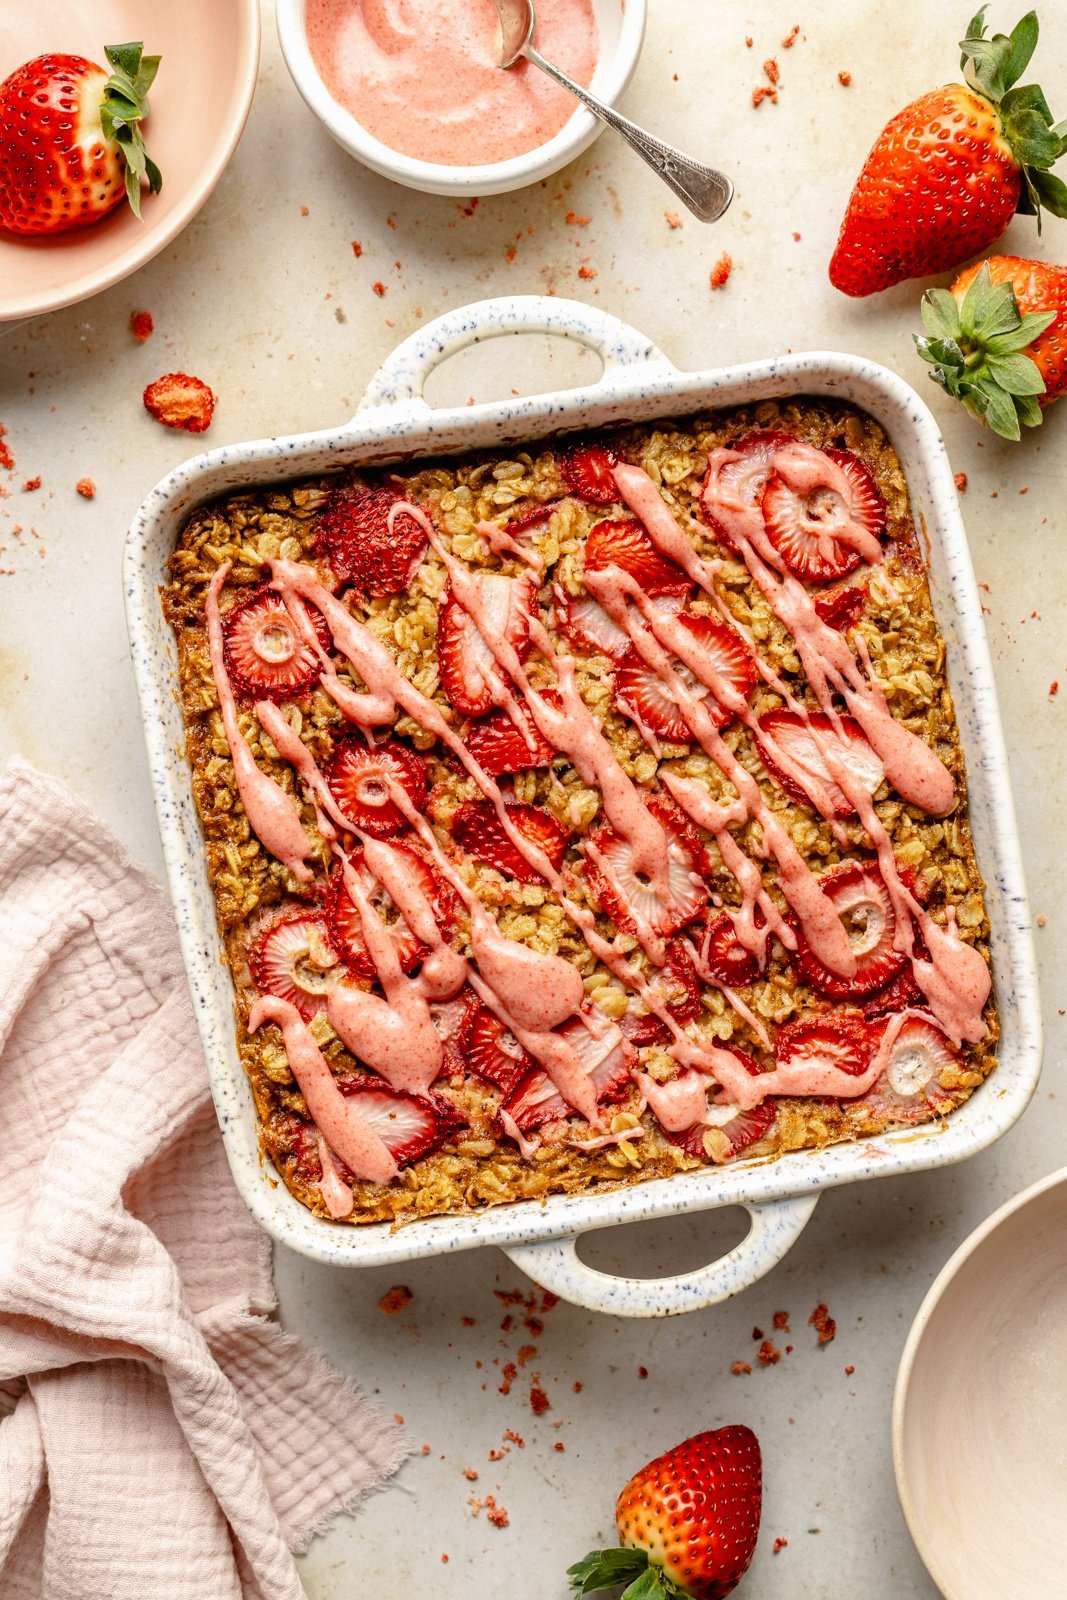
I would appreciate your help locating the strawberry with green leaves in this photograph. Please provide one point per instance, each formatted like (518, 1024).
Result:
(948, 173)
(997, 340)
(688, 1522)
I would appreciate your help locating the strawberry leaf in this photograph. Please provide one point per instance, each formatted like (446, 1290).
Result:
(1015, 374)
(123, 107)
(603, 1569)
(1023, 41)
(654, 1584)
(940, 314)
(1050, 191)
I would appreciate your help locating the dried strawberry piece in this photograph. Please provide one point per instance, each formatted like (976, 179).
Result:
(499, 745)
(724, 958)
(492, 1052)
(465, 660)
(679, 987)
(478, 830)
(842, 607)
(630, 893)
(742, 1128)
(799, 737)
(858, 894)
(741, 480)
(638, 686)
(346, 925)
(353, 533)
(837, 1037)
(586, 472)
(606, 1060)
(410, 1126)
(267, 657)
(358, 778)
(801, 528)
(626, 544)
(180, 401)
(295, 959)
(909, 1088)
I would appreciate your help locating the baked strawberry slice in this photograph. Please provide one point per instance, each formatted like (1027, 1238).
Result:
(591, 629)
(910, 1086)
(724, 958)
(353, 533)
(801, 768)
(478, 831)
(858, 894)
(740, 480)
(841, 607)
(449, 1019)
(346, 925)
(586, 473)
(359, 779)
(840, 1037)
(902, 993)
(499, 745)
(679, 988)
(626, 897)
(409, 1125)
(739, 1128)
(626, 544)
(802, 528)
(295, 959)
(266, 655)
(491, 1051)
(606, 1060)
(637, 685)
(465, 661)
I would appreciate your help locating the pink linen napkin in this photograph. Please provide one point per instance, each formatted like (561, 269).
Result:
(160, 1436)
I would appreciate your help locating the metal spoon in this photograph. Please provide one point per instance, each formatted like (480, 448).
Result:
(706, 192)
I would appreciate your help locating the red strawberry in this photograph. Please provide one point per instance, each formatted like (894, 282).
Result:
(586, 472)
(606, 1059)
(347, 927)
(859, 896)
(724, 958)
(352, 531)
(910, 1087)
(948, 172)
(295, 959)
(807, 771)
(627, 545)
(688, 896)
(463, 656)
(590, 628)
(998, 340)
(449, 1020)
(900, 994)
(741, 1128)
(491, 1052)
(841, 607)
(637, 685)
(741, 480)
(357, 778)
(840, 1038)
(679, 987)
(70, 140)
(178, 400)
(688, 1522)
(477, 830)
(499, 746)
(266, 657)
(410, 1126)
(802, 528)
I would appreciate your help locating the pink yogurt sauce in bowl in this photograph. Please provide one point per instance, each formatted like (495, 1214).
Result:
(411, 87)
(423, 76)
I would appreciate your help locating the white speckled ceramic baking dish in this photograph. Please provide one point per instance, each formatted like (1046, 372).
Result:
(638, 383)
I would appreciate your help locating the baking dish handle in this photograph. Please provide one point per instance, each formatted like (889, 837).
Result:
(401, 379)
(774, 1228)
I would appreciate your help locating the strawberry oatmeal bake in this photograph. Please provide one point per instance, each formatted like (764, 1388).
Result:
(583, 815)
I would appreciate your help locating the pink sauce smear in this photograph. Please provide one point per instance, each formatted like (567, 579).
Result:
(423, 75)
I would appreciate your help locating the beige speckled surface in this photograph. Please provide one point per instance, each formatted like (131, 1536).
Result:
(274, 309)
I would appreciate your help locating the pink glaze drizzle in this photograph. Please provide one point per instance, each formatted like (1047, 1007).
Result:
(336, 1195)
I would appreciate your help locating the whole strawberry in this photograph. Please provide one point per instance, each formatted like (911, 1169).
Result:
(948, 173)
(997, 340)
(688, 1522)
(70, 139)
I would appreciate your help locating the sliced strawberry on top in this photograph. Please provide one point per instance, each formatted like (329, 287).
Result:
(266, 656)
(295, 959)
(499, 745)
(465, 661)
(353, 532)
(410, 1126)
(801, 769)
(910, 1088)
(586, 473)
(842, 607)
(359, 779)
(638, 686)
(840, 1038)
(606, 1061)
(491, 1051)
(478, 831)
(679, 988)
(346, 925)
(625, 896)
(802, 528)
(902, 993)
(741, 1128)
(590, 628)
(741, 480)
(858, 894)
(626, 544)
(724, 958)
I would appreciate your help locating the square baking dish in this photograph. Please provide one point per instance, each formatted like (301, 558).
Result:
(638, 384)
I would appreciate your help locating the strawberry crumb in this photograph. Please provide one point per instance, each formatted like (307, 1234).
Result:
(425, 1450)
(721, 271)
(1041, 920)
(398, 1418)
(470, 1474)
(757, 1334)
(576, 1386)
(642, 1372)
(740, 1368)
(797, 237)
(781, 1320)
(85, 487)
(764, 91)
(673, 219)
(534, 1326)
(379, 288)
(357, 248)
(31, 484)
(790, 38)
(1026, 490)
(748, 41)
(526, 1353)
(7, 460)
(844, 79)
(779, 1544)
(516, 1438)
(769, 1354)
(497, 1515)
(849, 1371)
(577, 220)
(549, 1300)
(395, 1299)
(510, 253)
(559, 1445)
(961, 482)
(539, 1401)
(510, 1373)
(141, 325)
(772, 70)
(823, 1323)
(305, 211)
(444, 1556)
(468, 1322)
(178, 400)
(1054, 686)
(587, 272)
(506, 1323)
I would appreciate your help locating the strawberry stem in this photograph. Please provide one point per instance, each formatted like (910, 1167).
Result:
(123, 108)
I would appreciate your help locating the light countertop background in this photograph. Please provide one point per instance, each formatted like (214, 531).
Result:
(265, 299)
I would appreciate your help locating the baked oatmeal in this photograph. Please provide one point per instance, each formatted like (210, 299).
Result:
(583, 815)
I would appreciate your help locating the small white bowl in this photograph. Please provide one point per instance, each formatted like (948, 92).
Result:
(621, 24)
(980, 1409)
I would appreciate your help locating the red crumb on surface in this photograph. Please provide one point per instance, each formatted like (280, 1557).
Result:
(444, 1555)
(516, 1438)
(470, 1474)
(721, 271)
(771, 68)
(7, 460)
(559, 1445)
(510, 1297)
(379, 288)
(769, 1354)
(790, 38)
(1026, 490)
(468, 1322)
(305, 211)
(497, 1514)
(961, 482)
(534, 1326)
(781, 1321)
(844, 79)
(85, 487)
(1054, 686)
(757, 1334)
(764, 91)
(141, 325)
(398, 1418)
(178, 400)
(425, 1450)
(740, 1368)
(823, 1323)
(587, 272)
(797, 236)
(779, 1544)
(642, 1372)
(510, 253)
(849, 1371)
(748, 41)
(357, 248)
(510, 1373)
(497, 1455)
(1041, 920)
(395, 1299)
(526, 1353)
(673, 219)
(549, 1300)
(577, 219)
(506, 1323)
(576, 1386)
(31, 484)
(539, 1401)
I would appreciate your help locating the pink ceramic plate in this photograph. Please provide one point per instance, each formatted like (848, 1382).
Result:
(210, 51)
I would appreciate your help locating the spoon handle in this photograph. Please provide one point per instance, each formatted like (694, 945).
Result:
(706, 192)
